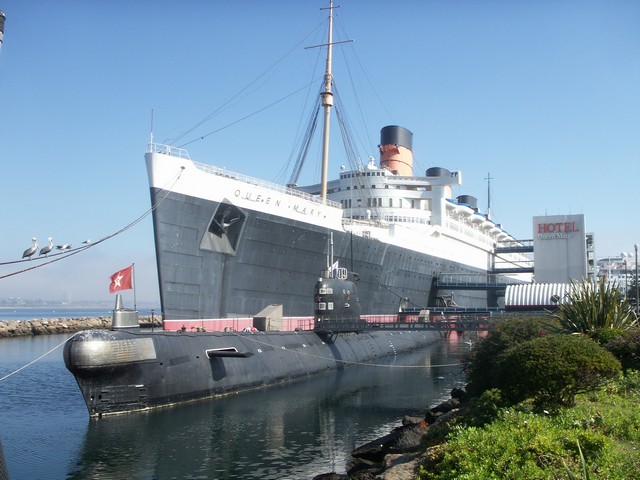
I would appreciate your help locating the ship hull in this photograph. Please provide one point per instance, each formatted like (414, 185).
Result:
(134, 370)
(275, 259)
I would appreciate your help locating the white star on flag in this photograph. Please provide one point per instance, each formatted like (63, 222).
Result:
(121, 280)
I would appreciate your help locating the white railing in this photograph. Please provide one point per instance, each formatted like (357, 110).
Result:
(168, 150)
(181, 153)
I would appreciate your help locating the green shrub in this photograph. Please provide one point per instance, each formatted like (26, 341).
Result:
(626, 348)
(604, 335)
(591, 306)
(480, 365)
(483, 409)
(526, 446)
(551, 370)
(598, 438)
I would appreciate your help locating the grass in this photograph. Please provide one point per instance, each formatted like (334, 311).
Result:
(597, 438)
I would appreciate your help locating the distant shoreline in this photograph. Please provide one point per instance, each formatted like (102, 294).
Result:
(47, 326)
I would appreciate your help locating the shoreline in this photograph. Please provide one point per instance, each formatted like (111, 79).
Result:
(47, 326)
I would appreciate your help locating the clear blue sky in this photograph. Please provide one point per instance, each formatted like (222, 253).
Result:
(543, 95)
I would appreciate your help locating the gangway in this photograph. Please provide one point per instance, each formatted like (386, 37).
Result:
(519, 246)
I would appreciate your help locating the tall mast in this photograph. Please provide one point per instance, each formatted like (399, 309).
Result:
(327, 103)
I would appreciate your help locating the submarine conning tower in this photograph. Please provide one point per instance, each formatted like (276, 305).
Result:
(335, 302)
(396, 150)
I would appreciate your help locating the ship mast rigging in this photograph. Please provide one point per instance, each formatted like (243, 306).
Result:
(327, 103)
(326, 97)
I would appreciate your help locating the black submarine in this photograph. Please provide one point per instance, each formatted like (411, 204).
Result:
(128, 368)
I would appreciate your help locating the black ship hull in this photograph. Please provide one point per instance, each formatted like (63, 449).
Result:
(268, 259)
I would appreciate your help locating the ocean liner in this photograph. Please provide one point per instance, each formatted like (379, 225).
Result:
(238, 259)
(228, 245)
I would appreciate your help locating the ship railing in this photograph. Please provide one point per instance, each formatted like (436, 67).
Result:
(466, 279)
(182, 153)
(480, 321)
(364, 222)
(168, 150)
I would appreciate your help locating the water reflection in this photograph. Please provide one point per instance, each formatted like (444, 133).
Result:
(294, 431)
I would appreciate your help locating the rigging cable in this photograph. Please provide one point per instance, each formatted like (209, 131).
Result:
(202, 137)
(35, 360)
(241, 91)
(306, 143)
(62, 256)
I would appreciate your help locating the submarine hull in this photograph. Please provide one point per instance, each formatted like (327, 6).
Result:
(120, 371)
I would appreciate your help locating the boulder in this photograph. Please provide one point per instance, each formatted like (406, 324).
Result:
(406, 438)
(400, 467)
(331, 476)
(459, 392)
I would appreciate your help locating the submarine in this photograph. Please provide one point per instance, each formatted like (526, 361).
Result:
(128, 368)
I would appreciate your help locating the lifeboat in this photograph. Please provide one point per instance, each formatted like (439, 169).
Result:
(477, 218)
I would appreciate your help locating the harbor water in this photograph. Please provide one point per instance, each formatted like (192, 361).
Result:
(295, 431)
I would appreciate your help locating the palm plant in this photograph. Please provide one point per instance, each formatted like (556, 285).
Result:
(592, 306)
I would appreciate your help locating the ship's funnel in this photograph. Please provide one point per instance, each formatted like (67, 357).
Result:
(396, 155)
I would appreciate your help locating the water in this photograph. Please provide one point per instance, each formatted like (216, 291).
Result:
(292, 432)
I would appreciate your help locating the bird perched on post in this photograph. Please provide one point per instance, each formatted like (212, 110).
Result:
(47, 248)
(31, 250)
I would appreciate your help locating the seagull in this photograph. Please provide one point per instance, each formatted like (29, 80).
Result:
(46, 249)
(87, 242)
(31, 250)
(66, 246)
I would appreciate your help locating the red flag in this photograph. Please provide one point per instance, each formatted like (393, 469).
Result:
(121, 280)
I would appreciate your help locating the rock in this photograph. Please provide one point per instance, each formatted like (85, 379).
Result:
(408, 420)
(401, 440)
(400, 467)
(430, 417)
(366, 476)
(409, 438)
(361, 468)
(331, 476)
(43, 326)
(459, 392)
(447, 406)
(445, 416)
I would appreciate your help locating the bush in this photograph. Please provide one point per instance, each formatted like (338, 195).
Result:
(551, 370)
(483, 409)
(603, 429)
(481, 364)
(626, 348)
(525, 446)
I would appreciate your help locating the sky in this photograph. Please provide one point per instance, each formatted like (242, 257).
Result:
(541, 96)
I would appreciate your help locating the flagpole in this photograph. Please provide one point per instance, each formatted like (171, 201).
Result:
(133, 276)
